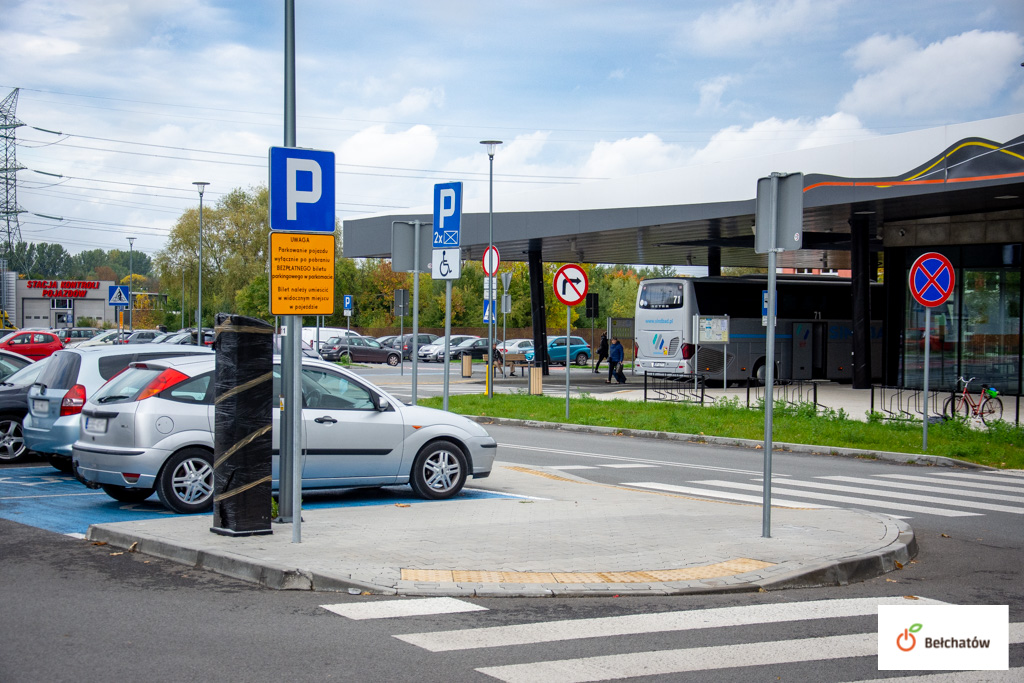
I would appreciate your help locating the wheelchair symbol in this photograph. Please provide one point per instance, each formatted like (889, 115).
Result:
(444, 267)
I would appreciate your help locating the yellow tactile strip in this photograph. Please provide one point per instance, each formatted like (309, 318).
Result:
(740, 565)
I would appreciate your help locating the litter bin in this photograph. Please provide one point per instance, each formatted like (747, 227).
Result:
(536, 380)
(467, 365)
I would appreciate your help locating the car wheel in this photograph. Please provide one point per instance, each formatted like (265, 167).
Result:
(61, 463)
(439, 471)
(12, 440)
(185, 484)
(581, 358)
(125, 494)
(393, 359)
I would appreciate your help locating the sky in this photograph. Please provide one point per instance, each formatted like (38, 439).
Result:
(151, 95)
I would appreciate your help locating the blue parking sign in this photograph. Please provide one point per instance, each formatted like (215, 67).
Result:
(348, 302)
(301, 190)
(447, 215)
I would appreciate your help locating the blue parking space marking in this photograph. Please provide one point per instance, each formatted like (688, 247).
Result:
(44, 498)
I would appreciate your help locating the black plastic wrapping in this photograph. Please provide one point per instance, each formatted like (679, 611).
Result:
(243, 385)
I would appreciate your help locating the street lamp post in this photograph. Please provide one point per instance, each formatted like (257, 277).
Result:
(131, 279)
(201, 186)
(491, 145)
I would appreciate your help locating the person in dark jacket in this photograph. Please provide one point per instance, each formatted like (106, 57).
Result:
(602, 351)
(618, 354)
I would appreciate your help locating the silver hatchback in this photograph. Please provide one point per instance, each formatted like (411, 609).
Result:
(151, 428)
(56, 399)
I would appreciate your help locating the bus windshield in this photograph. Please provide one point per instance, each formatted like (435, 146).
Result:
(660, 295)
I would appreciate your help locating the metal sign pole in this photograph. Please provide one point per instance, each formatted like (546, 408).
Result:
(414, 353)
(447, 337)
(769, 375)
(927, 362)
(567, 347)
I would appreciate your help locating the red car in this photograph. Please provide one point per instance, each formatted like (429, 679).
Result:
(32, 344)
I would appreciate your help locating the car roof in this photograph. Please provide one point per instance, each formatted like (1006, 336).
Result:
(120, 349)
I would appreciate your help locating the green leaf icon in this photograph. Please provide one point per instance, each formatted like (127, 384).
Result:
(915, 628)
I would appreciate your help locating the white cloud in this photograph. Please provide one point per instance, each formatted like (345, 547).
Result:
(773, 136)
(711, 93)
(749, 24)
(630, 156)
(959, 74)
(617, 75)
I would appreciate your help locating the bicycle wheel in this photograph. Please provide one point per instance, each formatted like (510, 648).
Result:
(991, 410)
(956, 407)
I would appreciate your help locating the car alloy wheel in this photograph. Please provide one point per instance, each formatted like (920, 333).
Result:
(12, 441)
(393, 359)
(581, 358)
(439, 471)
(185, 483)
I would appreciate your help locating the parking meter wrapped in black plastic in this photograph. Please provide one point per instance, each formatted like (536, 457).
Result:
(243, 399)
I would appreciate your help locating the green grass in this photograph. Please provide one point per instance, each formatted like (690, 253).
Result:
(999, 446)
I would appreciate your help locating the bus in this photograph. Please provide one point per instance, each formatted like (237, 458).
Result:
(813, 332)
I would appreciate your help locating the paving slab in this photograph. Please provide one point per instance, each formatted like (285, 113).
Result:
(568, 537)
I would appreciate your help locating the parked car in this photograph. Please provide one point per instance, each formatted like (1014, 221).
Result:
(55, 400)
(142, 336)
(102, 339)
(149, 429)
(476, 348)
(309, 335)
(579, 351)
(73, 336)
(305, 350)
(516, 346)
(13, 406)
(11, 362)
(435, 350)
(387, 339)
(360, 350)
(31, 344)
(405, 344)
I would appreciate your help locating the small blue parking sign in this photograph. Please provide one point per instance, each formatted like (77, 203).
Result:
(348, 302)
(447, 215)
(301, 190)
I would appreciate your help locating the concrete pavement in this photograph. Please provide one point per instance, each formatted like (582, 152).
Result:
(561, 535)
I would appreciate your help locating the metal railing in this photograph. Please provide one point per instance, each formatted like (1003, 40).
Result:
(901, 403)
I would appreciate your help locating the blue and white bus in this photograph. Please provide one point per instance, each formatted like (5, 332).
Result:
(813, 333)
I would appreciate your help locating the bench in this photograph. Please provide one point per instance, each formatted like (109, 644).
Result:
(517, 360)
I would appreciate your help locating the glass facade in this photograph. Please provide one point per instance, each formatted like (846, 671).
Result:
(977, 332)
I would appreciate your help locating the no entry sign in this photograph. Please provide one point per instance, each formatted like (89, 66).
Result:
(931, 279)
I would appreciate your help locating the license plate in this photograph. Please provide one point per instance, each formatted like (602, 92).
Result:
(96, 424)
(657, 364)
(40, 406)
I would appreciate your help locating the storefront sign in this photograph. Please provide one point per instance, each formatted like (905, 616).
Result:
(63, 289)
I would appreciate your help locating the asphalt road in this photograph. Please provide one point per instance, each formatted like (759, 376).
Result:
(76, 611)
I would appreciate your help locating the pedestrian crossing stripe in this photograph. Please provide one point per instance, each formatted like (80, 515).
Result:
(987, 495)
(390, 609)
(662, 622)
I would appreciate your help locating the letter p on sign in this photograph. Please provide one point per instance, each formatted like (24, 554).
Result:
(301, 190)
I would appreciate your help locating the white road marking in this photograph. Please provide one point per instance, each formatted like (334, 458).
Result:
(632, 624)
(623, 466)
(844, 499)
(711, 493)
(969, 504)
(975, 477)
(389, 609)
(648, 461)
(987, 495)
(572, 467)
(967, 484)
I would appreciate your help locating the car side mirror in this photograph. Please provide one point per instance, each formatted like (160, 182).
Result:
(383, 405)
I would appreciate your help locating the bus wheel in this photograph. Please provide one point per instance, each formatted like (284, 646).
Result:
(760, 372)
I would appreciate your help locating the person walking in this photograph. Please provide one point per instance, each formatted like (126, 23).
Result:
(615, 359)
(602, 351)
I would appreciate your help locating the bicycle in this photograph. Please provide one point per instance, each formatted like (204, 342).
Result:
(988, 407)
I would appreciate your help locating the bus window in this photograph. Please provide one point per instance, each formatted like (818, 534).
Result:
(660, 295)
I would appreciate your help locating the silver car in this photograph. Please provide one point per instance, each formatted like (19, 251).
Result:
(435, 350)
(55, 400)
(151, 428)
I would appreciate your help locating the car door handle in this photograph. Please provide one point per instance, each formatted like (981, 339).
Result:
(326, 419)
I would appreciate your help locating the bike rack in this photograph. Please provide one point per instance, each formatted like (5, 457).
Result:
(901, 403)
(793, 392)
(668, 387)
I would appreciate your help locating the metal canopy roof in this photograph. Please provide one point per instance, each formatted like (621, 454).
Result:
(674, 217)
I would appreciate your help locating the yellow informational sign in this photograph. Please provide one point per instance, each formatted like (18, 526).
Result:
(301, 273)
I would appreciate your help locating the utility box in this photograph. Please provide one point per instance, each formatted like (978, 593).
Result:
(467, 365)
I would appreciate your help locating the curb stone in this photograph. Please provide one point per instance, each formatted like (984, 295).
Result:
(810, 449)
